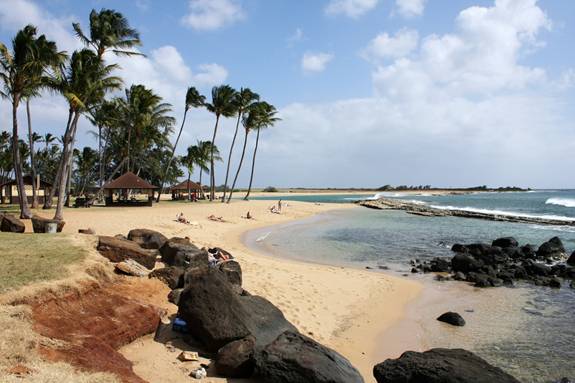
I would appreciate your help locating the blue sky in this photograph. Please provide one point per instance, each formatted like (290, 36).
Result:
(371, 92)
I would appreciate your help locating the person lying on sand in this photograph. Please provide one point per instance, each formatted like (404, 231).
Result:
(274, 209)
(216, 219)
(182, 219)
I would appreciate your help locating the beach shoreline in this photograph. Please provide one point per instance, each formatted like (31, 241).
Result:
(343, 308)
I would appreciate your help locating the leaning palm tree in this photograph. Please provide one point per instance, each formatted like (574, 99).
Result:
(24, 71)
(84, 83)
(244, 99)
(193, 100)
(222, 104)
(266, 118)
(250, 122)
(109, 29)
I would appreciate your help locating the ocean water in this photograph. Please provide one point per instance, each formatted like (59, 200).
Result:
(528, 332)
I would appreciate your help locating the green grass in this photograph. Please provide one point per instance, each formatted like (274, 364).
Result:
(12, 209)
(29, 258)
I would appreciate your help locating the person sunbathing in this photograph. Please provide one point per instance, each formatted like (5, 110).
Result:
(216, 219)
(182, 219)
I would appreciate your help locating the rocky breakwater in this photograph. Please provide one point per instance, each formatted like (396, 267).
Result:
(429, 211)
(503, 262)
(245, 335)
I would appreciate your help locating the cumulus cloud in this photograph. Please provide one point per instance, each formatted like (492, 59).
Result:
(384, 46)
(350, 8)
(315, 62)
(208, 15)
(410, 8)
(16, 14)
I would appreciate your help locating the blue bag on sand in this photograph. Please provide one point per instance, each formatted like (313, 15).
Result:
(180, 325)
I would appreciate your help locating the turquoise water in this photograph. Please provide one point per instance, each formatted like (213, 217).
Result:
(541, 350)
(317, 198)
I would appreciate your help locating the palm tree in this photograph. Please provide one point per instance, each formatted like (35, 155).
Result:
(83, 82)
(222, 105)
(47, 139)
(193, 100)
(244, 99)
(250, 122)
(86, 168)
(103, 115)
(201, 154)
(24, 71)
(266, 117)
(109, 29)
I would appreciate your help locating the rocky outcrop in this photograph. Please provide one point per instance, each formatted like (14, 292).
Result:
(428, 211)
(180, 252)
(571, 260)
(236, 359)
(492, 266)
(452, 318)
(439, 366)
(217, 315)
(11, 224)
(233, 272)
(172, 276)
(39, 224)
(118, 250)
(295, 358)
(147, 239)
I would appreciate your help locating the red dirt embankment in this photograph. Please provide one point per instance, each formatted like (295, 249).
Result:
(93, 324)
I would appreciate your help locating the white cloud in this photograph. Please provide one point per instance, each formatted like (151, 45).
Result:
(350, 8)
(210, 75)
(384, 46)
(210, 15)
(315, 62)
(16, 14)
(410, 8)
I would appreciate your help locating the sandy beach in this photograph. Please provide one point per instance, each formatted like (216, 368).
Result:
(346, 309)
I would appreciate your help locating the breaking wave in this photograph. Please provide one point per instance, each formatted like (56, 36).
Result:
(505, 213)
(567, 202)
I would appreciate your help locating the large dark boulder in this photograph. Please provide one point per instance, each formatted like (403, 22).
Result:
(147, 239)
(236, 359)
(118, 250)
(571, 260)
(439, 265)
(465, 263)
(39, 224)
(459, 248)
(217, 315)
(439, 366)
(551, 249)
(295, 358)
(452, 318)
(179, 252)
(528, 251)
(537, 269)
(172, 276)
(11, 224)
(505, 242)
(233, 272)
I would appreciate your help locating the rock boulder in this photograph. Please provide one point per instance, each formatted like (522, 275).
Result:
(452, 318)
(179, 252)
(295, 358)
(39, 224)
(147, 239)
(11, 224)
(172, 276)
(236, 359)
(439, 366)
(118, 250)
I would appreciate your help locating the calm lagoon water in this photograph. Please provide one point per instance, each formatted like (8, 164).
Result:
(539, 332)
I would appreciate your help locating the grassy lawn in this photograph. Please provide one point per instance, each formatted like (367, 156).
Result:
(13, 209)
(29, 258)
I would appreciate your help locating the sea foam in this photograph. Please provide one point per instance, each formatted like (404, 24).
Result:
(505, 213)
(567, 202)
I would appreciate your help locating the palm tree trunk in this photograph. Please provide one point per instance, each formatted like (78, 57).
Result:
(66, 167)
(48, 202)
(129, 141)
(32, 162)
(230, 155)
(253, 165)
(212, 172)
(100, 156)
(23, 199)
(189, 187)
(69, 183)
(172, 156)
(201, 187)
(239, 166)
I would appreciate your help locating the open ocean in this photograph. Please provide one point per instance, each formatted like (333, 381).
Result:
(538, 345)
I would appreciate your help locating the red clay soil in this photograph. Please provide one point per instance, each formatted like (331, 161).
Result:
(93, 326)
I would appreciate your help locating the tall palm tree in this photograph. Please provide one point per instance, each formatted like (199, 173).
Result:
(193, 100)
(103, 115)
(83, 82)
(23, 71)
(47, 139)
(222, 104)
(250, 122)
(109, 29)
(86, 168)
(244, 99)
(266, 117)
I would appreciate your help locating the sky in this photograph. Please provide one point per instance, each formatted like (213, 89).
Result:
(370, 92)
